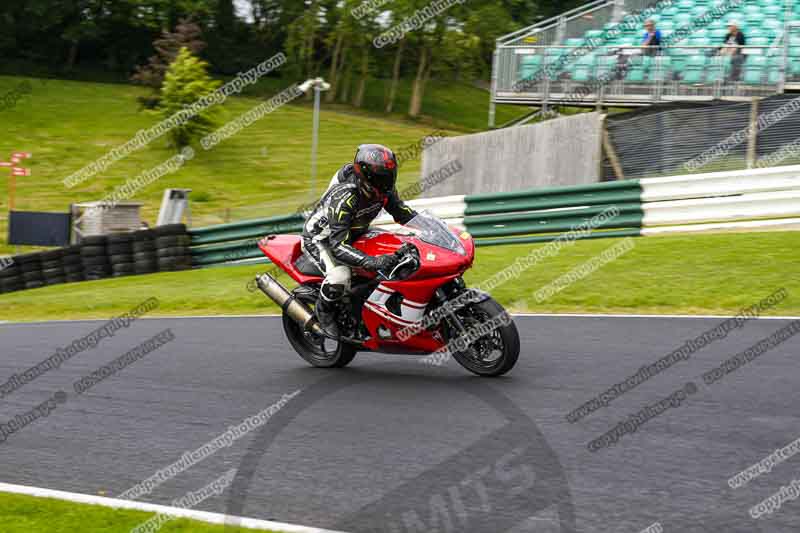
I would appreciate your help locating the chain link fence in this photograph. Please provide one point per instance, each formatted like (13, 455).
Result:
(689, 138)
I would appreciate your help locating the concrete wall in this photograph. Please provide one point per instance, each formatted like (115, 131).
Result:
(563, 151)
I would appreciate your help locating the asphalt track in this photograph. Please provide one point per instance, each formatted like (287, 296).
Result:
(390, 444)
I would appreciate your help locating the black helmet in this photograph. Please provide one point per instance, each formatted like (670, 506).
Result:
(376, 165)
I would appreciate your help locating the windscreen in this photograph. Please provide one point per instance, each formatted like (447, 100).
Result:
(434, 231)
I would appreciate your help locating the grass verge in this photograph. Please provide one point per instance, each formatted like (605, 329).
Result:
(28, 514)
(262, 171)
(683, 274)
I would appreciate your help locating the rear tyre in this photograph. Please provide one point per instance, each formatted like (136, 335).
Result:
(316, 350)
(496, 352)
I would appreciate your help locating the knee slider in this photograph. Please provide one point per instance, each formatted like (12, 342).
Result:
(332, 292)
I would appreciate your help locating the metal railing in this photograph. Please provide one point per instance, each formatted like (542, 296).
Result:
(615, 27)
(609, 74)
(572, 23)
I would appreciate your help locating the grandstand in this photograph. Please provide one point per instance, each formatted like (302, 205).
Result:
(590, 56)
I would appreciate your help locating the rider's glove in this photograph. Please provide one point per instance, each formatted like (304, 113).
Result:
(384, 263)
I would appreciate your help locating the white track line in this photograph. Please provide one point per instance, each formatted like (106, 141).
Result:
(202, 516)
(587, 315)
(555, 315)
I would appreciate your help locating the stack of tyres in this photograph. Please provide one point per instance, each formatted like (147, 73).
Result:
(53, 267)
(11, 278)
(120, 253)
(94, 257)
(145, 260)
(30, 266)
(73, 264)
(172, 248)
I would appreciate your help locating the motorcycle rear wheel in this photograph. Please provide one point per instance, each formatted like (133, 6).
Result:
(318, 351)
(493, 354)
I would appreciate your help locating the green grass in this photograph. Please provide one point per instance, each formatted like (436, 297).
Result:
(701, 274)
(447, 104)
(262, 171)
(67, 125)
(27, 514)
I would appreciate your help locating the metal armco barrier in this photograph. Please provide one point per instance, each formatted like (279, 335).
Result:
(759, 199)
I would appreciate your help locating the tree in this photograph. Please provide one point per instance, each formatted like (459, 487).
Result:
(187, 35)
(186, 81)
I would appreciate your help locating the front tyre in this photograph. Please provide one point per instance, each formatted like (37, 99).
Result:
(319, 351)
(496, 350)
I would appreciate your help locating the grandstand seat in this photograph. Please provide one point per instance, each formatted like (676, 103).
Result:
(771, 24)
(660, 69)
(758, 41)
(679, 57)
(717, 25)
(685, 5)
(700, 41)
(669, 12)
(583, 69)
(596, 34)
(637, 68)
(581, 74)
(718, 69)
(754, 70)
(694, 71)
(773, 12)
(774, 72)
(606, 64)
(576, 42)
(699, 11)
(666, 25)
(682, 19)
(734, 16)
(607, 28)
(753, 20)
(750, 8)
(531, 60)
(755, 32)
(765, 3)
(718, 35)
(794, 67)
(794, 51)
(774, 33)
(530, 66)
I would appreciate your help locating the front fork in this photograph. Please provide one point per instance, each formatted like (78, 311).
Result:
(456, 296)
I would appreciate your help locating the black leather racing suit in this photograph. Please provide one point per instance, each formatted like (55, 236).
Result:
(344, 214)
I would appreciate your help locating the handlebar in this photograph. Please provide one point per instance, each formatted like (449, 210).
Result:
(408, 253)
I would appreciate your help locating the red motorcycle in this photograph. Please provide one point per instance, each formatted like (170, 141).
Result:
(421, 307)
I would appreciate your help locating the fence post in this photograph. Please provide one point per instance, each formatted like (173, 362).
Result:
(611, 153)
(752, 137)
(493, 93)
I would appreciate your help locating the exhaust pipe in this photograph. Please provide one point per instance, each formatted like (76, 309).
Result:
(297, 310)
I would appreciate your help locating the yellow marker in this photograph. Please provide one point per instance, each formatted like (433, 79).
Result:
(465, 235)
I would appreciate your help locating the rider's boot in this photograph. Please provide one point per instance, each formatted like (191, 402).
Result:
(326, 316)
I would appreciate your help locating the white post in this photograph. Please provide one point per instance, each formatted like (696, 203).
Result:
(315, 141)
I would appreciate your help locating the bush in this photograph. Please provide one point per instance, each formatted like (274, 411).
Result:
(186, 82)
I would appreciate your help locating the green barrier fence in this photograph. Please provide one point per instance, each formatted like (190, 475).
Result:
(530, 216)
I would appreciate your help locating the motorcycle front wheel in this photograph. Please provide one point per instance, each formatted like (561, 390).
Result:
(491, 335)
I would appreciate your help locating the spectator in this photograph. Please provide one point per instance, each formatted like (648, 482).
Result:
(733, 40)
(651, 38)
(651, 43)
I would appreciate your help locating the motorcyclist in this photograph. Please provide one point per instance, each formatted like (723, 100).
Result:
(355, 197)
